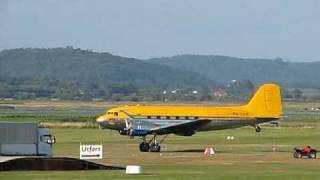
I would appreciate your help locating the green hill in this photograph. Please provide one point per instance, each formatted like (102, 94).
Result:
(224, 69)
(74, 73)
(68, 73)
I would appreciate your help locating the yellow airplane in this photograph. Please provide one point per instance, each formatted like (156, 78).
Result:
(143, 120)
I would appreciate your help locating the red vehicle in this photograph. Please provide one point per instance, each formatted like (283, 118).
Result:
(307, 151)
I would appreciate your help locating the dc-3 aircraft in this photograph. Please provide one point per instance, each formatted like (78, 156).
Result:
(143, 120)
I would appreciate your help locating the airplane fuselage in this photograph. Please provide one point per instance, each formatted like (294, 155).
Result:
(197, 126)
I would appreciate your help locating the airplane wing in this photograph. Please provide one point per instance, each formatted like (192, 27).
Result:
(182, 127)
(164, 126)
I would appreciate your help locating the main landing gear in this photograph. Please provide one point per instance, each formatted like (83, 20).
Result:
(152, 145)
(144, 147)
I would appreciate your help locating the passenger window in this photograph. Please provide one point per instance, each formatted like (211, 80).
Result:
(177, 117)
(196, 118)
(158, 117)
(149, 117)
(187, 117)
(168, 117)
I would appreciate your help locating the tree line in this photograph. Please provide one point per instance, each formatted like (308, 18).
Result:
(75, 74)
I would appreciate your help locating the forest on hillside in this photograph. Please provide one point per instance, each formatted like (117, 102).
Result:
(76, 74)
(224, 69)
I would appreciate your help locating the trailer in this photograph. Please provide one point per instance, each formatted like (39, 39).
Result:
(25, 139)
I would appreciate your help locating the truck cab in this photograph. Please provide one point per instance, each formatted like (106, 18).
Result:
(25, 139)
(46, 141)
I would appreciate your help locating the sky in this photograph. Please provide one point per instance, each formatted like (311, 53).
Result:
(289, 29)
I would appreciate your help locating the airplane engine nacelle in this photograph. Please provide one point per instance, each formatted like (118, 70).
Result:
(134, 132)
(123, 132)
(139, 132)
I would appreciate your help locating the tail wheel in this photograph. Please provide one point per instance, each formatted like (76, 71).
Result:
(258, 129)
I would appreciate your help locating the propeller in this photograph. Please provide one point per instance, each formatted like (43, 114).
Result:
(128, 126)
(128, 122)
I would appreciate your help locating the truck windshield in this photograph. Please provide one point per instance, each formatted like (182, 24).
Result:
(47, 139)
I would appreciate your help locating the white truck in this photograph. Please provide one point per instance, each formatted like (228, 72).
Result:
(25, 139)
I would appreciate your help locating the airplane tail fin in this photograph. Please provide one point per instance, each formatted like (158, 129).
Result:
(266, 103)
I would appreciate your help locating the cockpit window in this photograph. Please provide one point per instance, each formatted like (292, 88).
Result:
(113, 113)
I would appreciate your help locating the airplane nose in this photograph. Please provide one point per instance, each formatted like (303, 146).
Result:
(101, 118)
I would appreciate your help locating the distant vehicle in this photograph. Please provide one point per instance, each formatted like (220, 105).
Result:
(25, 139)
(143, 120)
(274, 123)
(299, 153)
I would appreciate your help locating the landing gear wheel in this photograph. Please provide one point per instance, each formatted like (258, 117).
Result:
(258, 129)
(155, 147)
(144, 147)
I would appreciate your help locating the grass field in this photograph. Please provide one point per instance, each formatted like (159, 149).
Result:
(251, 155)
